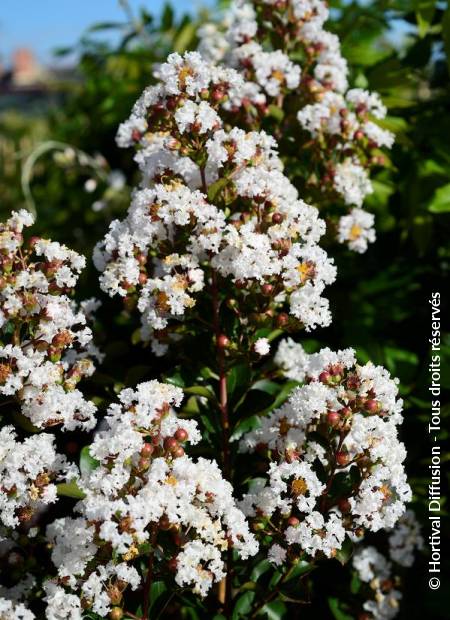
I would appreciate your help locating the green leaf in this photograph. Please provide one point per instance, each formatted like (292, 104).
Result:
(276, 112)
(345, 552)
(70, 489)
(215, 189)
(105, 26)
(269, 387)
(87, 463)
(238, 381)
(355, 584)
(262, 567)
(200, 390)
(298, 570)
(243, 605)
(425, 10)
(283, 394)
(274, 610)
(184, 37)
(23, 422)
(167, 17)
(336, 610)
(159, 597)
(440, 203)
(244, 426)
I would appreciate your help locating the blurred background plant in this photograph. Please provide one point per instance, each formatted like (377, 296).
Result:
(59, 157)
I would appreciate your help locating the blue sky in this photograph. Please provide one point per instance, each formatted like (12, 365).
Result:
(43, 25)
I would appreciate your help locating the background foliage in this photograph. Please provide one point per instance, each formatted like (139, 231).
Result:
(400, 48)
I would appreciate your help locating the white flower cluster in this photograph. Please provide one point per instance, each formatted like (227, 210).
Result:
(346, 140)
(373, 568)
(342, 420)
(28, 470)
(46, 345)
(212, 199)
(405, 538)
(10, 610)
(143, 487)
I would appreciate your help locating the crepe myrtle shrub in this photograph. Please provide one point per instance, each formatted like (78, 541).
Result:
(331, 135)
(223, 486)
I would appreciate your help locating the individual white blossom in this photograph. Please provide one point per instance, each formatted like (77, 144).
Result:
(262, 346)
(356, 230)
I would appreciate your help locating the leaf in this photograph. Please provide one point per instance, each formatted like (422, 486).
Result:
(159, 597)
(200, 390)
(335, 607)
(425, 10)
(269, 387)
(262, 567)
(276, 112)
(167, 17)
(440, 203)
(274, 610)
(23, 422)
(87, 463)
(238, 380)
(184, 37)
(355, 584)
(70, 489)
(283, 394)
(298, 570)
(105, 26)
(244, 426)
(345, 552)
(243, 605)
(215, 189)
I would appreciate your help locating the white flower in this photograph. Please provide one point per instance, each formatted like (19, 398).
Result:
(262, 346)
(351, 180)
(277, 555)
(356, 229)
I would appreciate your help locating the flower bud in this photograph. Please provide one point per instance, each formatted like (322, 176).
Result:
(170, 444)
(147, 450)
(282, 319)
(222, 341)
(324, 377)
(181, 434)
(267, 290)
(342, 458)
(333, 418)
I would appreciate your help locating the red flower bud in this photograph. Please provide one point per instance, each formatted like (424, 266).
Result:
(344, 505)
(342, 458)
(333, 418)
(170, 444)
(267, 290)
(324, 377)
(147, 450)
(222, 341)
(371, 405)
(181, 434)
(282, 319)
